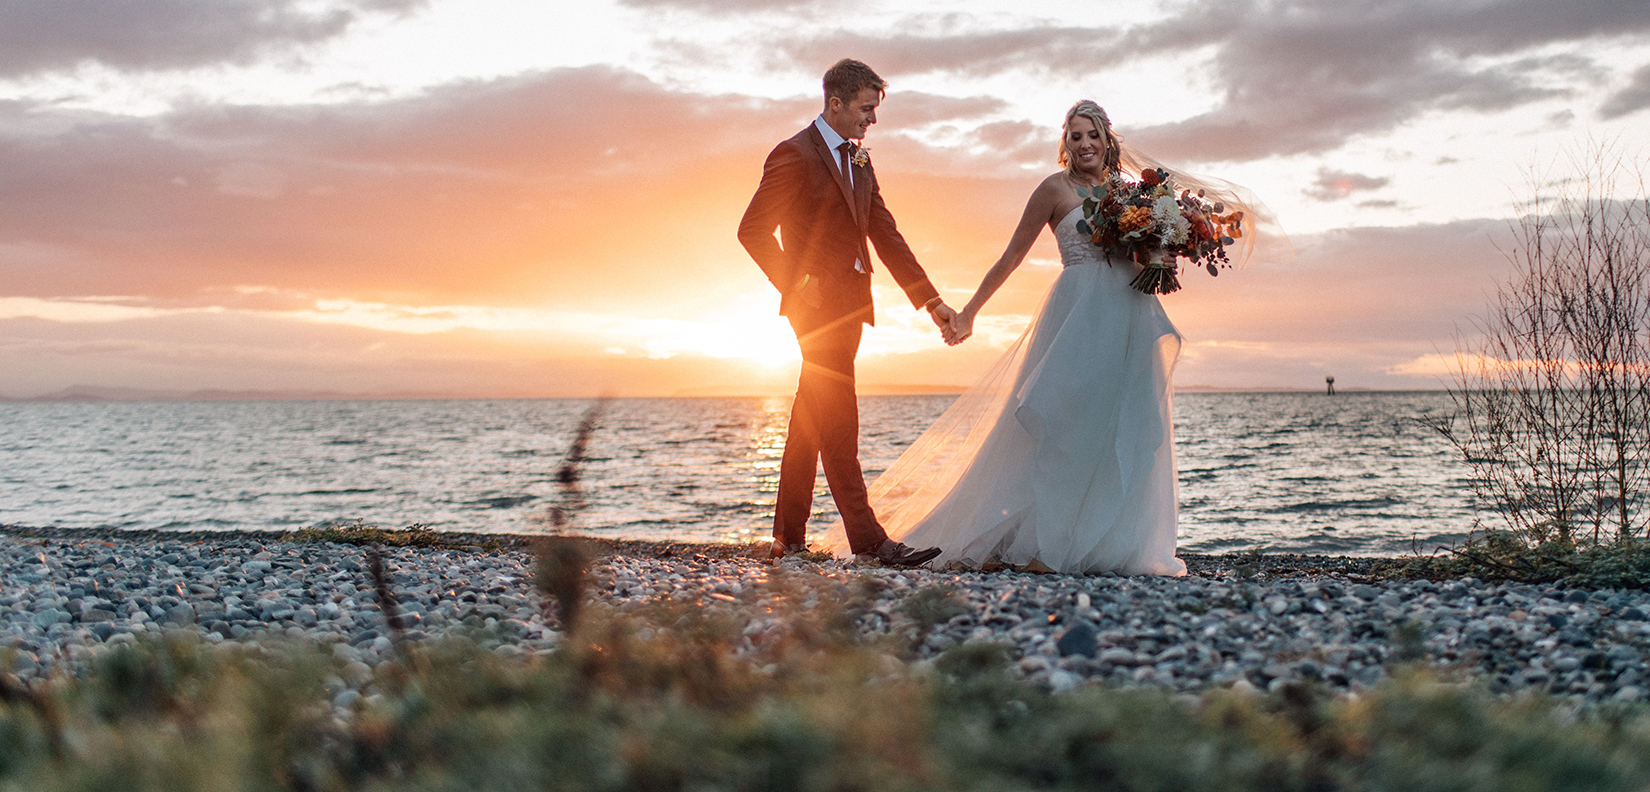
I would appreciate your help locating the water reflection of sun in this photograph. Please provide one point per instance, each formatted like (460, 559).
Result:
(767, 445)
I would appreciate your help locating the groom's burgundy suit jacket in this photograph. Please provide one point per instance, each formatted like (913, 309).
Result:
(823, 226)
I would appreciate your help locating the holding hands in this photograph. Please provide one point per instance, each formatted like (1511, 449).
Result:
(954, 327)
(962, 326)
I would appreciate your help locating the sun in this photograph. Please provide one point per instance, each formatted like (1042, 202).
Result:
(746, 330)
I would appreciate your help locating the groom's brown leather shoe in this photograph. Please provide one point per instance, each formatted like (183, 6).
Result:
(782, 549)
(899, 554)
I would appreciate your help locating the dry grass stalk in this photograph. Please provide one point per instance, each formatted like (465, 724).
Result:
(563, 563)
(386, 597)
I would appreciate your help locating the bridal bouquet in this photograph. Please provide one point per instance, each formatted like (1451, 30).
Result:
(1149, 223)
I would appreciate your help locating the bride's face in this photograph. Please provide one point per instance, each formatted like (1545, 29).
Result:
(1085, 145)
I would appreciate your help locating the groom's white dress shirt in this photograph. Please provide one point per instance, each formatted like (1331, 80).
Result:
(834, 142)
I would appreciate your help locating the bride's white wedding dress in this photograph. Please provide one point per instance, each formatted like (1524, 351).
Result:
(1063, 453)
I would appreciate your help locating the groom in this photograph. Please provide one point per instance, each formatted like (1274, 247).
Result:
(819, 190)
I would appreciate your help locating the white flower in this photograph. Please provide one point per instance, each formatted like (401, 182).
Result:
(1167, 218)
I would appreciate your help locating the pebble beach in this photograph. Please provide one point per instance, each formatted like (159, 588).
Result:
(1249, 622)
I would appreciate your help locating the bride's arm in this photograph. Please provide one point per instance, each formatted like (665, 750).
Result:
(1039, 211)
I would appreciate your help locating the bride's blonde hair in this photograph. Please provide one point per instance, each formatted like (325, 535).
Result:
(1093, 112)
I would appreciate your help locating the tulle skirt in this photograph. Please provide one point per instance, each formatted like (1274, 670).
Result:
(1062, 453)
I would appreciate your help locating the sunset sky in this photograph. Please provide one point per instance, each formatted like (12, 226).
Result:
(529, 198)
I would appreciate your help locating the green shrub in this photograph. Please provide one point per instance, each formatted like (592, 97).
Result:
(1504, 555)
(677, 698)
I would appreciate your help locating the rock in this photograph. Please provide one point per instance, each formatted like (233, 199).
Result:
(1061, 681)
(180, 615)
(1630, 693)
(1032, 664)
(1632, 614)
(1117, 656)
(1078, 639)
(97, 615)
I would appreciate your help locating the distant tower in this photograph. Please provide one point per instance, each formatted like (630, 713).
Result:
(1330, 380)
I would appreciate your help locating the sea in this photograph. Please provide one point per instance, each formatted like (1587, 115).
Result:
(1356, 473)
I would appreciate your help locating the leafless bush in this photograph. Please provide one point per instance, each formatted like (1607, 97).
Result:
(1552, 397)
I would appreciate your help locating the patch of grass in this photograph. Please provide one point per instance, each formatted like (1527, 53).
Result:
(931, 606)
(1506, 555)
(415, 535)
(677, 697)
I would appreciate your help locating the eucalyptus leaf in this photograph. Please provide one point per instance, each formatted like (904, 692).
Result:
(1082, 192)
(1083, 227)
(1213, 270)
(1226, 240)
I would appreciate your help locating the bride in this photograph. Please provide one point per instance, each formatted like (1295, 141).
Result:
(1061, 457)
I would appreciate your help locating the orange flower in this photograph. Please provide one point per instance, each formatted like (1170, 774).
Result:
(1134, 218)
(1151, 178)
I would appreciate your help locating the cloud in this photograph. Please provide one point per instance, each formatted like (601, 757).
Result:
(1305, 77)
(1297, 77)
(197, 351)
(1633, 98)
(973, 54)
(915, 108)
(1333, 185)
(1362, 304)
(548, 185)
(549, 191)
(168, 34)
(731, 7)
(1356, 303)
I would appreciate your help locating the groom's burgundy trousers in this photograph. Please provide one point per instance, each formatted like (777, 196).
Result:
(825, 428)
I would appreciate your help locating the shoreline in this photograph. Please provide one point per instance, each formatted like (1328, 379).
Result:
(1206, 565)
(1236, 621)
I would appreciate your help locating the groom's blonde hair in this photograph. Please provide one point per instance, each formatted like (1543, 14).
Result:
(1093, 112)
(848, 77)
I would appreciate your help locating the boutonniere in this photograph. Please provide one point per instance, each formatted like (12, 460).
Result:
(861, 155)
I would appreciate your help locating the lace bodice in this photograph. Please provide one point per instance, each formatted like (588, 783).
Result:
(1076, 247)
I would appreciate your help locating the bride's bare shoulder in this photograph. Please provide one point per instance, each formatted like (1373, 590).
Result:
(1055, 183)
(1054, 197)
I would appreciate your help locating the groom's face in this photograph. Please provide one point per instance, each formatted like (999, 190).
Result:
(850, 119)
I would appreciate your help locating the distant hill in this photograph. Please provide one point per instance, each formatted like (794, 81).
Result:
(94, 393)
(864, 389)
(84, 393)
